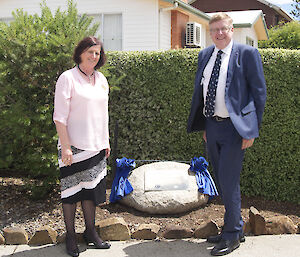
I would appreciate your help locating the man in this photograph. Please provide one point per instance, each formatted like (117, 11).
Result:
(228, 103)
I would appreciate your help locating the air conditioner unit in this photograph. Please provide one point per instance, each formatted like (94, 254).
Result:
(193, 34)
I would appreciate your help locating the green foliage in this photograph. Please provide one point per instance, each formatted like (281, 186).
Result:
(286, 36)
(153, 106)
(272, 165)
(34, 51)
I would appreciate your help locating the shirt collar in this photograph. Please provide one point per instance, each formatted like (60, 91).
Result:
(226, 50)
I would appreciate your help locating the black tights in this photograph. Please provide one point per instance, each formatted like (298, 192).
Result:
(89, 211)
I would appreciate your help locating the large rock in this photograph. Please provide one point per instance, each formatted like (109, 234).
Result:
(257, 222)
(2, 240)
(177, 232)
(247, 228)
(278, 225)
(44, 235)
(207, 229)
(62, 238)
(15, 236)
(113, 229)
(164, 188)
(146, 231)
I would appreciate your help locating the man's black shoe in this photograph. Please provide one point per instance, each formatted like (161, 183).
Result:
(216, 239)
(225, 247)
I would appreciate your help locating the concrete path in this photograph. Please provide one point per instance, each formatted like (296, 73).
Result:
(259, 246)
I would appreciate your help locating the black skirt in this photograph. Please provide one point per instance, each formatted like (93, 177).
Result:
(85, 178)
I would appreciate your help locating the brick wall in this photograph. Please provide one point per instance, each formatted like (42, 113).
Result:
(178, 27)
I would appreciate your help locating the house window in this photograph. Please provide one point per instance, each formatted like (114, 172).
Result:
(110, 30)
(277, 19)
(249, 41)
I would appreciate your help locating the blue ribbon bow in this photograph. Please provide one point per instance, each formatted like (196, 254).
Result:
(204, 180)
(121, 186)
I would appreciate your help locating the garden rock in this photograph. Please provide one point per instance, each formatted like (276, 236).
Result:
(177, 232)
(146, 231)
(207, 229)
(62, 238)
(43, 236)
(247, 228)
(115, 229)
(164, 188)
(257, 222)
(15, 236)
(278, 225)
(2, 240)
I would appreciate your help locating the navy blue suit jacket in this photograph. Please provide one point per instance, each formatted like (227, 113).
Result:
(245, 92)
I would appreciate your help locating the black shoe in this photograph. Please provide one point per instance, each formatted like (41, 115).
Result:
(71, 252)
(225, 247)
(216, 239)
(102, 245)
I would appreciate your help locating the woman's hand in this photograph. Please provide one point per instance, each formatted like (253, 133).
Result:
(107, 152)
(66, 155)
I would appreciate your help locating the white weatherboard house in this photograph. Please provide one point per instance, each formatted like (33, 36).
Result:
(135, 25)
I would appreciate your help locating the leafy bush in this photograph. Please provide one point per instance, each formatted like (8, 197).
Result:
(34, 51)
(286, 36)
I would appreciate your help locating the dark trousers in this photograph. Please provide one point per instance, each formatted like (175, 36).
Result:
(226, 156)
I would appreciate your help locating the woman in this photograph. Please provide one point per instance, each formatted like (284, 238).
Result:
(81, 119)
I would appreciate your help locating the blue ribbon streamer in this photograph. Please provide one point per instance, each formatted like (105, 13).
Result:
(121, 186)
(204, 180)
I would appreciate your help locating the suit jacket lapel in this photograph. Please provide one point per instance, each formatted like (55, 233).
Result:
(206, 58)
(233, 62)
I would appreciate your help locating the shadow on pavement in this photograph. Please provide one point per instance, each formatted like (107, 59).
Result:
(176, 248)
(42, 251)
(171, 248)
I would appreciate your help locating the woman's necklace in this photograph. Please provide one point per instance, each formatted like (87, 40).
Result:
(88, 76)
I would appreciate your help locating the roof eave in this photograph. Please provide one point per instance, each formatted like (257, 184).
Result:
(190, 8)
(277, 9)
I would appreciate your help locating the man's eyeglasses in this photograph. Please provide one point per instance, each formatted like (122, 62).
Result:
(223, 30)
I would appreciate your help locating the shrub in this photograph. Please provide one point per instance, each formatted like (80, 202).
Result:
(286, 36)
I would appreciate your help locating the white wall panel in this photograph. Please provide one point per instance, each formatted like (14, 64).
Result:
(165, 30)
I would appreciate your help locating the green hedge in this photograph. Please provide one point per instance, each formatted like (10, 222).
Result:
(153, 105)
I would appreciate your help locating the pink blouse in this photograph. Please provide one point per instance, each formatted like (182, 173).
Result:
(83, 108)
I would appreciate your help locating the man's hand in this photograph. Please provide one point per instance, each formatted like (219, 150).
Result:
(247, 143)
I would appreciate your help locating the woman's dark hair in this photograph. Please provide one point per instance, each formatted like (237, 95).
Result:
(86, 43)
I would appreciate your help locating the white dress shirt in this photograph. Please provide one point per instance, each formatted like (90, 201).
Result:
(220, 106)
